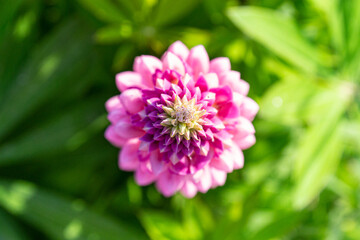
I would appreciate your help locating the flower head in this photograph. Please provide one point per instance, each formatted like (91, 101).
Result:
(182, 121)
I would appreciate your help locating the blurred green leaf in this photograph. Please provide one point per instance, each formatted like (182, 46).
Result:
(60, 218)
(7, 12)
(169, 11)
(322, 168)
(50, 71)
(136, 9)
(286, 100)
(66, 131)
(16, 45)
(316, 137)
(281, 225)
(105, 10)
(161, 226)
(114, 33)
(321, 146)
(343, 18)
(9, 230)
(123, 53)
(353, 19)
(277, 33)
(335, 20)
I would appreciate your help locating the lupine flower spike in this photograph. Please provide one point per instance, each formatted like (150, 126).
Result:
(182, 121)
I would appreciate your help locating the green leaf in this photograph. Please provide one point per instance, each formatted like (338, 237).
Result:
(60, 218)
(326, 117)
(286, 100)
(283, 224)
(114, 33)
(7, 13)
(170, 11)
(104, 10)
(320, 148)
(64, 132)
(353, 19)
(343, 19)
(322, 168)
(47, 74)
(277, 33)
(15, 47)
(9, 230)
(335, 20)
(161, 226)
(123, 53)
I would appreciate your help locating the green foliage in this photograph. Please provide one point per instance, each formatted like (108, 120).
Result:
(59, 176)
(59, 218)
(277, 33)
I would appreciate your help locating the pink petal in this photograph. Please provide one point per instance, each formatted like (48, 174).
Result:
(113, 138)
(220, 65)
(204, 182)
(244, 87)
(238, 156)
(146, 65)
(116, 115)
(179, 49)
(132, 100)
(243, 128)
(172, 62)
(143, 176)
(189, 189)
(229, 110)
(113, 103)
(198, 60)
(249, 108)
(218, 177)
(128, 160)
(238, 99)
(245, 143)
(224, 162)
(126, 130)
(232, 79)
(212, 80)
(125, 80)
(169, 183)
(156, 162)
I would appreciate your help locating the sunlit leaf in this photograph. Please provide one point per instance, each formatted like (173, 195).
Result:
(286, 100)
(277, 33)
(335, 19)
(113, 34)
(326, 122)
(322, 168)
(321, 146)
(278, 228)
(60, 218)
(161, 226)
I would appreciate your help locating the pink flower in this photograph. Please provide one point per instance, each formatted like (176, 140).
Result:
(182, 121)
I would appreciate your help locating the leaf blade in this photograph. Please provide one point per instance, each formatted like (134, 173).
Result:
(58, 217)
(277, 33)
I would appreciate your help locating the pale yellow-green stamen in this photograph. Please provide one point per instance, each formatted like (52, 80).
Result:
(183, 117)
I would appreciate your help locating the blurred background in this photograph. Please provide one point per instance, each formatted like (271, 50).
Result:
(59, 177)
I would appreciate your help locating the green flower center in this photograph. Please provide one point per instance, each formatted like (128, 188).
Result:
(183, 117)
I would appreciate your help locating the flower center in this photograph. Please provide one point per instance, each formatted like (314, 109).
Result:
(183, 114)
(183, 117)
